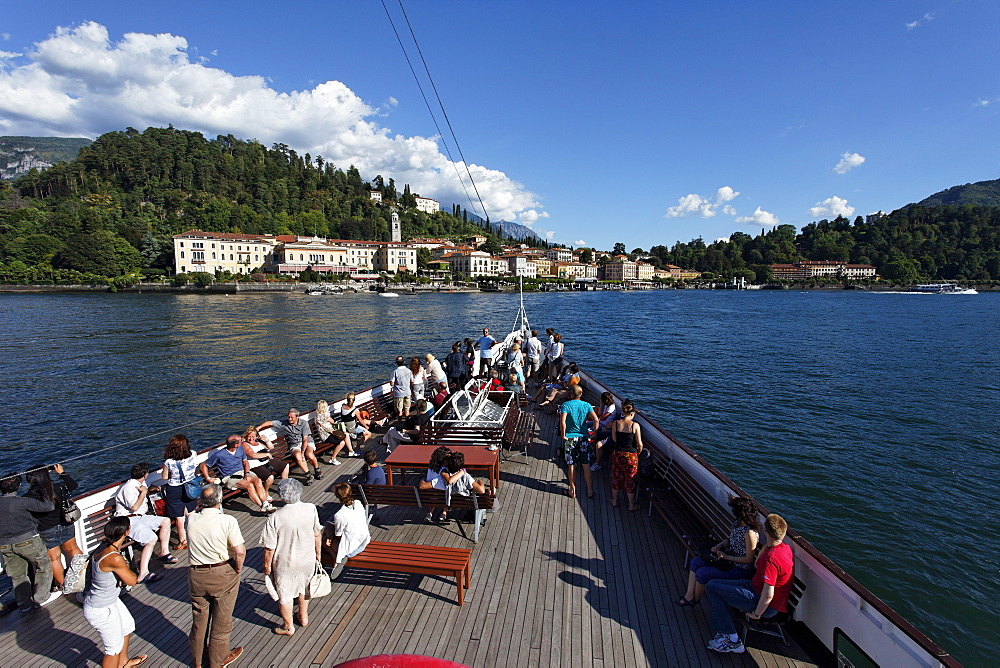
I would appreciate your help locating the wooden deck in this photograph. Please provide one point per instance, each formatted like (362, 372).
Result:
(555, 582)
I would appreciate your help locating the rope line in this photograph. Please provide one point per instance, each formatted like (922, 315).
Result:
(445, 113)
(429, 109)
(148, 436)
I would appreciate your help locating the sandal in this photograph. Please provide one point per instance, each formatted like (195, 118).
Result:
(570, 493)
(168, 559)
(139, 660)
(151, 578)
(183, 545)
(282, 631)
(685, 603)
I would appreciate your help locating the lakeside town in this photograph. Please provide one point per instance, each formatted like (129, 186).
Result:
(438, 261)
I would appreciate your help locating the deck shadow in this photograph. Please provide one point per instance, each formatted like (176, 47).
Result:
(389, 580)
(36, 634)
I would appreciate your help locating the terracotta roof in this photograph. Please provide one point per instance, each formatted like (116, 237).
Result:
(227, 236)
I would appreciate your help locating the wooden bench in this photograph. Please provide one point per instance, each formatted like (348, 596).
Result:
(775, 626)
(519, 429)
(691, 514)
(414, 497)
(379, 407)
(420, 559)
(93, 531)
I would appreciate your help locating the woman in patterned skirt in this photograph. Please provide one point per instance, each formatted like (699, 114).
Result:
(626, 444)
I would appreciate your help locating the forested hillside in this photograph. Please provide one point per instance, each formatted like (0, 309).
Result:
(112, 211)
(128, 192)
(982, 193)
(909, 244)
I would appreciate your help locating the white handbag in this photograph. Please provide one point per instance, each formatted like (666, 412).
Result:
(319, 583)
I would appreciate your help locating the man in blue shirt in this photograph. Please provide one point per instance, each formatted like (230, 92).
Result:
(573, 417)
(233, 466)
(486, 344)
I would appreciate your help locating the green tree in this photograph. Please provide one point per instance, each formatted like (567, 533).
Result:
(34, 249)
(586, 256)
(99, 252)
(901, 271)
(619, 249)
(424, 258)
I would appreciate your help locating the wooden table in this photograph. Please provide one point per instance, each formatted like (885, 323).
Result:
(477, 457)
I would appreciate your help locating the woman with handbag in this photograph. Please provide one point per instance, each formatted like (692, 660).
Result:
(291, 542)
(55, 527)
(181, 483)
(730, 559)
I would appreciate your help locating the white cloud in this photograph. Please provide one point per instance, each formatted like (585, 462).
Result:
(722, 239)
(531, 216)
(912, 24)
(4, 36)
(79, 83)
(760, 218)
(983, 103)
(694, 204)
(729, 210)
(550, 235)
(579, 242)
(928, 17)
(725, 194)
(848, 161)
(831, 207)
(4, 55)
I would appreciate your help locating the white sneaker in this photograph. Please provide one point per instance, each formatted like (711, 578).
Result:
(267, 508)
(336, 463)
(355, 454)
(722, 643)
(52, 597)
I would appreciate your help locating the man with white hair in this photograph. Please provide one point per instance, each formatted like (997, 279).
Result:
(299, 438)
(216, 550)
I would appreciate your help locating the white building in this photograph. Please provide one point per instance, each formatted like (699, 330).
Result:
(559, 254)
(195, 250)
(375, 196)
(427, 205)
(519, 265)
(476, 263)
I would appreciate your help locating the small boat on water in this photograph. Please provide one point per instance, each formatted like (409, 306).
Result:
(943, 289)
(388, 294)
(324, 290)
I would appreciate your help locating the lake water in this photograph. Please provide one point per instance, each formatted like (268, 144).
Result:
(868, 420)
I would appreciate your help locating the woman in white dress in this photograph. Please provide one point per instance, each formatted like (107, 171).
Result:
(350, 528)
(291, 542)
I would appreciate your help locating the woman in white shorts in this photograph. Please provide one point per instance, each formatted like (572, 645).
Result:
(102, 607)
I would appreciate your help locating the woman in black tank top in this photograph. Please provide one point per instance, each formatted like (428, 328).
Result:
(626, 444)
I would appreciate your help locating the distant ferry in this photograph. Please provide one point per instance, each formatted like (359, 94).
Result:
(943, 289)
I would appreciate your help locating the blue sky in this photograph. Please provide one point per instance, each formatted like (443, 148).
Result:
(592, 122)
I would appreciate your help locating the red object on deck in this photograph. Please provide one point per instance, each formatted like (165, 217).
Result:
(399, 661)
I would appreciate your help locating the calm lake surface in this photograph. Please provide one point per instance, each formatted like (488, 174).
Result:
(870, 421)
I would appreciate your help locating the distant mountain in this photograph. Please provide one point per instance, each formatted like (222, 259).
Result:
(515, 230)
(19, 155)
(983, 193)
